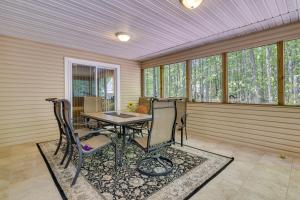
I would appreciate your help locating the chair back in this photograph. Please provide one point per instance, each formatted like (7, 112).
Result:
(92, 104)
(66, 113)
(181, 110)
(58, 115)
(163, 124)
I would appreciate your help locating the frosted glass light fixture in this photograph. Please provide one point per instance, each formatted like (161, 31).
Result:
(123, 37)
(191, 4)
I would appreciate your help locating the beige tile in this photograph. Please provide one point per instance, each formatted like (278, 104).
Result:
(296, 163)
(294, 184)
(220, 190)
(40, 187)
(4, 195)
(248, 154)
(4, 184)
(266, 188)
(293, 191)
(237, 172)
(245, 194)
(274, 160)
(273, 174)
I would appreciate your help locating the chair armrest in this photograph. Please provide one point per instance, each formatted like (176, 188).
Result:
(77, 140)
(50, 99)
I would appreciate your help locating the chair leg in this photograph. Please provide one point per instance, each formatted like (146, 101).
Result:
(58, 145)
(70, 156)
(66, 152)
(80, 161)
(185, 133)
(116, 157)
(181, 132)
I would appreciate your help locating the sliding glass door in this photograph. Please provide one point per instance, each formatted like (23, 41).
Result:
(92, 81)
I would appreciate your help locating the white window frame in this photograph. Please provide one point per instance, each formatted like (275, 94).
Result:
(68, 76)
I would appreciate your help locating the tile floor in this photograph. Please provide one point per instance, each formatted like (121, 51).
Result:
(254, 175)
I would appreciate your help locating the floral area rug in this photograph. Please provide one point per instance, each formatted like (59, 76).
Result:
(193, 168)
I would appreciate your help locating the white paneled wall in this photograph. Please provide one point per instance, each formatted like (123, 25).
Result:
(31, 72)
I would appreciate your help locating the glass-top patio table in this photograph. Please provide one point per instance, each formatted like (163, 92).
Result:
(122, 119)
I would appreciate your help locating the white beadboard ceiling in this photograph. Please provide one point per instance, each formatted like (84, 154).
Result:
(157, 27)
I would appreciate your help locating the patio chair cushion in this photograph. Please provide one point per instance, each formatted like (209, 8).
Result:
(85, 132)
(142, 109)
(96, 142)
(142, 141)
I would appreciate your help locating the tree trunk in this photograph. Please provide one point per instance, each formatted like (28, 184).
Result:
(154, 82)
(269, 74)
(256, 96)
(244, 77)
(290, 80)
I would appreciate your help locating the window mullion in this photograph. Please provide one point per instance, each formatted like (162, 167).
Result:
(224, 78)
(280, 72)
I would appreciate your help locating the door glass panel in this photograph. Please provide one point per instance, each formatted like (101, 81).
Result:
(84, 80)
(106, 88)
(83, 84)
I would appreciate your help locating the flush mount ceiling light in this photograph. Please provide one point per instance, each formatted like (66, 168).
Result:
(123, 37)
(191, 4)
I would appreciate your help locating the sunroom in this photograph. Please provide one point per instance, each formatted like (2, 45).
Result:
(150, 99)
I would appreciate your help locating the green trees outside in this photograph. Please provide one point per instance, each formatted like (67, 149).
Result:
(292, 72)
(252, 75)
(206, 79)
(152, 82)
(174, 80)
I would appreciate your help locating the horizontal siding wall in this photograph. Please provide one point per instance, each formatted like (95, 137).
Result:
(269, 127)
(31, 72)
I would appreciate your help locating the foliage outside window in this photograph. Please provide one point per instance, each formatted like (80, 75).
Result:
(82, 88)
(252, 75)
(174, 80)
(83, 83)
(292, 72)
(152, 82)
(206, 79)
(106, 84)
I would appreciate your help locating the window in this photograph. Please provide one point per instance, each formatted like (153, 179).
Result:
(106, 83)
(206, 81)
(174, 80)
(152, 82)
(83, 83)
(252, 75)
(292, 72)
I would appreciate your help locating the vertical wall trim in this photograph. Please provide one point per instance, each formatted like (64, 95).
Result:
(161, 81)
(142, 83)
(188, 79)
(280, 69)
(224, 78)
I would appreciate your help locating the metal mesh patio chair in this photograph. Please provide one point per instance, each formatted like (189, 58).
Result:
(82, 133)
(95, 143)
(181, 117)
(161, 135)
